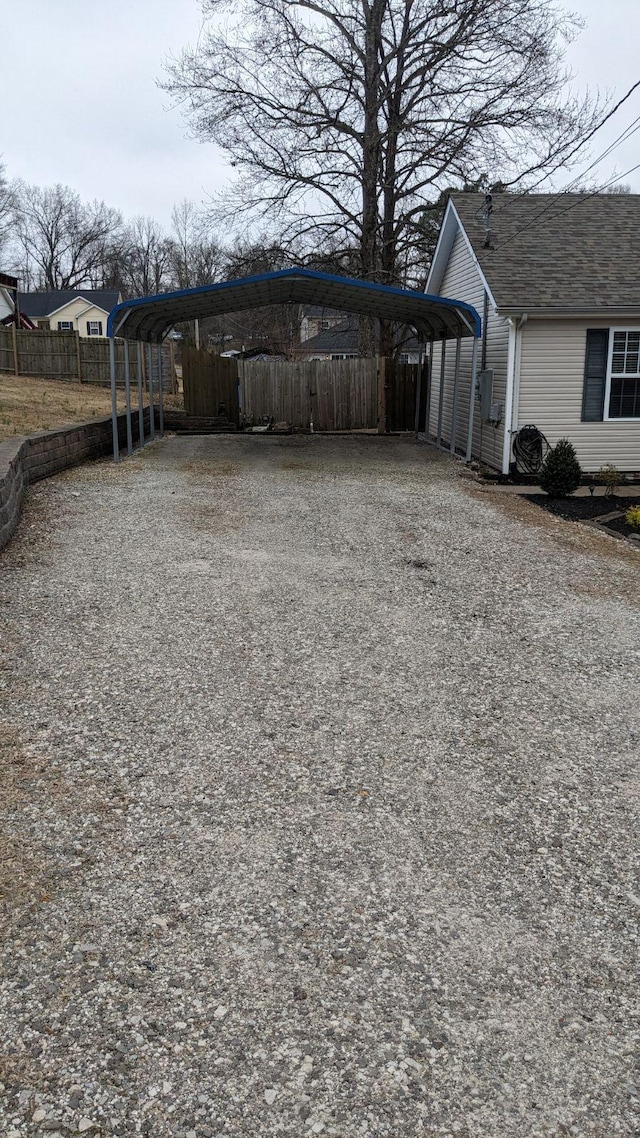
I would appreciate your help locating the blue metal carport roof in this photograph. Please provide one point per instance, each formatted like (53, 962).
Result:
(433, 317)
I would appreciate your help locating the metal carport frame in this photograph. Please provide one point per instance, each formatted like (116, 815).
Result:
(150, 318)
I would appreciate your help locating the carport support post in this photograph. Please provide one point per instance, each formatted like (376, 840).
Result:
(114, 398)
(419, 388)
(443, 348)
(127, 393)
(382, 395)
(160, 403)
(152, 409)
(472, 399)
(454, 409)
(427, 429)
(140, 398)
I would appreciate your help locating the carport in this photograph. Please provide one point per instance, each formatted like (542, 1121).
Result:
(149, 320)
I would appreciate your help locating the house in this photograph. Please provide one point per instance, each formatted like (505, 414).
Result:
(315, 319)
(340, 342)
(8, 298)
(556, 281)
(71, 310)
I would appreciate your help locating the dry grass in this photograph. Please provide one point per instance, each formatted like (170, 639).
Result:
(28, 404)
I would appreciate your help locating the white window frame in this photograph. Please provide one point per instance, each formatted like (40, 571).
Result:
(98, 325)
(65, 326)
(607, 390)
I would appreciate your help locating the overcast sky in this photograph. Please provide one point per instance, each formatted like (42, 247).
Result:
(81, 105)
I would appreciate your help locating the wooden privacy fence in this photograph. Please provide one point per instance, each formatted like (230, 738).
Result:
(334, 395)
(68, 356)
(210, 384)
(401, 389)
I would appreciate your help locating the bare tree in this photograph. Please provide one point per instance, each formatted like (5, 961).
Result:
(6, 214)
(346, 118)
(139, 262)
(274, 327)
(196, 255)
(63, 240)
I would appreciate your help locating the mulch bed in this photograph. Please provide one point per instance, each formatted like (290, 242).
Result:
(590, 510)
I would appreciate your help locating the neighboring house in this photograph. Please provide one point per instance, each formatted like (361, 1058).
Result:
(8, 290)
(8, 295)
(556, 279)
(340, 342)
(315, 319)
(71, 310)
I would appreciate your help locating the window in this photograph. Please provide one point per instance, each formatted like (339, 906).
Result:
(324, 325)
(611, 387)
(94, 327)
(65, 325)
(403, 358)
(624, 374)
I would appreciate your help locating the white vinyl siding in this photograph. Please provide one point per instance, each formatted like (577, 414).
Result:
(551, 386)
(462, 281)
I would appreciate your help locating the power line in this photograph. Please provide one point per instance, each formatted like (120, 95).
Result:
(624, 136)
(573, 205)
(567, 157)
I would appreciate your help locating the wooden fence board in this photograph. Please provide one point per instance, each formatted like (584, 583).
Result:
(401, 388)
(61, 355)
(210, 383)
(336, 395)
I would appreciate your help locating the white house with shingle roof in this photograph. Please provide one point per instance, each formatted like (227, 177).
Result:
(556, 279)
(71, 310)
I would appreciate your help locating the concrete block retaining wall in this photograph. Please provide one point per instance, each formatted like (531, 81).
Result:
(26, 460)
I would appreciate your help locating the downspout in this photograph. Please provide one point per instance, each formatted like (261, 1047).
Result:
(513, 387)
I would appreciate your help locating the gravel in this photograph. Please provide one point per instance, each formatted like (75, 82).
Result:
(321, 793)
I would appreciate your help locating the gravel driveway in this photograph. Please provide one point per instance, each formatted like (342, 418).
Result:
(321, 770)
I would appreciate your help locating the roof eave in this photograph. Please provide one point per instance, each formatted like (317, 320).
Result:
(586, 312)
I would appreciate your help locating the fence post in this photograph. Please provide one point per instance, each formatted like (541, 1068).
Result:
(14, 342)
(78, 358)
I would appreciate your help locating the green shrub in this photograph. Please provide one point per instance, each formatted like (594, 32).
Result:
(612, 478)
(560, 473)
(632, 518)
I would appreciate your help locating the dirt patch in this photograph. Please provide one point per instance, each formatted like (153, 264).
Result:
(208, 468)
(28, 404)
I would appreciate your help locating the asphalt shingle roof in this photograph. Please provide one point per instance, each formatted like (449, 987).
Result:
(583, 257)
(342, 337)
(41, 304)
